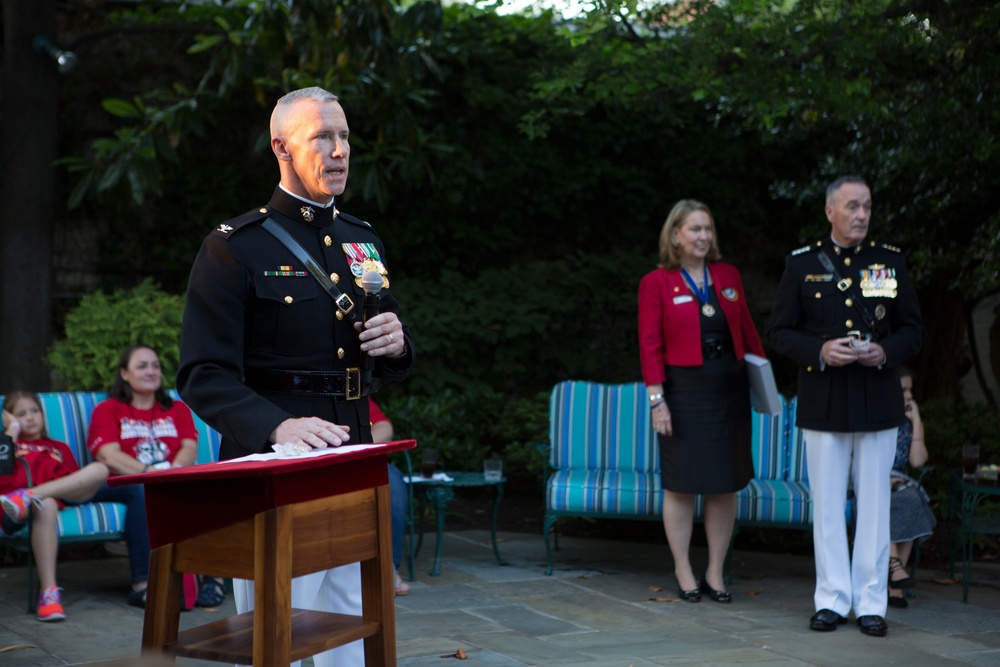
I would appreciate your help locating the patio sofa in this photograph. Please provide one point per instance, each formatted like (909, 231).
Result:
(603, 462)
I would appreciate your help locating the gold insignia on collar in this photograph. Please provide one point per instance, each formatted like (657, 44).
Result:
(308, 213)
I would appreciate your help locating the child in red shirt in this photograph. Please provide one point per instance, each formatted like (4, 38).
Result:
(45, 476)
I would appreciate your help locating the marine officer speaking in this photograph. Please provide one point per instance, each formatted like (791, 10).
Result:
(267, 354)
(847, 313)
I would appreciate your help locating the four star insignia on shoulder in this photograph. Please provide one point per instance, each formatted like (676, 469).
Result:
(225, 229)
(799, 251)
(886, 246)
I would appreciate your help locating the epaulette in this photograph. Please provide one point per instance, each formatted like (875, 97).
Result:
(805, 248)
(356, 221)
(885, 246)
(229, 226)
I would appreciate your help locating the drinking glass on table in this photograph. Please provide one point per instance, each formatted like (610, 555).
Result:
(492, 470)
(970, 459)
(428, 463)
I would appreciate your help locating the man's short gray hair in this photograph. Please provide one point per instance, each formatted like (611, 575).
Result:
(831, 189)
(314, 93)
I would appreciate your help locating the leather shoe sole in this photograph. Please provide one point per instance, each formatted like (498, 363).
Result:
(873, 626)
(826, 620)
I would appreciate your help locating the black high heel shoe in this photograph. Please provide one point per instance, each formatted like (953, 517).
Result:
(693, 595)
(716, 596)
(896, 565)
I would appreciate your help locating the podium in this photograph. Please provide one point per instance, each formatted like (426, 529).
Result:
(270, 521)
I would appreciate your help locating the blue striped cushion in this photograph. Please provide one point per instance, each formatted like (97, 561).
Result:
(604, 491)
(768, 443)
(774, 501)
(67, 417)
(602, 427)
(92, 519)
(797, 470)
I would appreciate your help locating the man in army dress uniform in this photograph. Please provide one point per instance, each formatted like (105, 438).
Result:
(847, 313)
(266, 356)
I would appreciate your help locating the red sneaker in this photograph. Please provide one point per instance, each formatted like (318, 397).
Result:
(17, 505)
(50, 605)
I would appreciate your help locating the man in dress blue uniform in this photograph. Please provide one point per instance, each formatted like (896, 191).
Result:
(266, 356)
(847, 313)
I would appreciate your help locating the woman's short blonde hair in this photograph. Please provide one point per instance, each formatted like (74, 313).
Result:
(669, 252)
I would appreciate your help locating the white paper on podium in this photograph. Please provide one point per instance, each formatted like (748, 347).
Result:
(313, 453)
(763, 391)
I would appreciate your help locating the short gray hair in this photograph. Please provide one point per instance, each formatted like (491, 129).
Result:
(831, 189)
(314, 93)
(282, 106)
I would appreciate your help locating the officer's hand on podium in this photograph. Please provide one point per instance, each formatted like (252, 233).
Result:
(312, 431)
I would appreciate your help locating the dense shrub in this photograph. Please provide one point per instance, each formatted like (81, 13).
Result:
(102, 325)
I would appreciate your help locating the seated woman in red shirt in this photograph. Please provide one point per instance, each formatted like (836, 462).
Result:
(137, 429)
(56, 480)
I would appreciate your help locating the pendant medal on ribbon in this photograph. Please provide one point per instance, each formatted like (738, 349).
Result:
(706, 308)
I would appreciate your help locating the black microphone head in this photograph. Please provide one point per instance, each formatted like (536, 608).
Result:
(371, 282)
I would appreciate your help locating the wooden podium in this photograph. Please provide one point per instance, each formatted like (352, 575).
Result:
(270, 521)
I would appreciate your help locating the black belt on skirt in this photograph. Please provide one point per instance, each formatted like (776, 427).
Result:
(714, 348)
(344, 385)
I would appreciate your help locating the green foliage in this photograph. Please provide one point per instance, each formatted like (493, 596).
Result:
(470, 426)
(105, 324)
(523, 328)
(949, 424)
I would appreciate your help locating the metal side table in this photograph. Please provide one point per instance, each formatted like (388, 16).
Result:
(439, 493)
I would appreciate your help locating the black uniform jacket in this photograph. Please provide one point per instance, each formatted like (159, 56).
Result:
(252, 305)
(810, 308)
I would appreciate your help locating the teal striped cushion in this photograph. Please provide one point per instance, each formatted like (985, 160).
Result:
(768, 443)
(67, 416)
(797, 470)
(774, 501)
(92, 519)
(602, 427)
(604, 491)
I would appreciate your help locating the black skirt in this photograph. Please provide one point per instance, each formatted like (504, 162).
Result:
(709, 451)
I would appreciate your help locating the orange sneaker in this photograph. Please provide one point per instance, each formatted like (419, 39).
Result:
(17, 505)
(50, 605)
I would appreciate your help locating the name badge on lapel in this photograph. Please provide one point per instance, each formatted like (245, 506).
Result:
(683, 298)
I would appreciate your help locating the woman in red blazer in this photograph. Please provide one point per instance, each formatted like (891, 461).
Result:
(694, 329)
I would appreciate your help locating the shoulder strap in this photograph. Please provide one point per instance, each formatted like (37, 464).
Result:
(343, 302)
(844, 285)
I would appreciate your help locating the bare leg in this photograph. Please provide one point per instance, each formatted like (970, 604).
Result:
(678, 522)
(78, 487)
(45, 540)
(720, 516)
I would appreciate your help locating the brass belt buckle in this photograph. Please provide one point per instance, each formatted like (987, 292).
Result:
(352, 378)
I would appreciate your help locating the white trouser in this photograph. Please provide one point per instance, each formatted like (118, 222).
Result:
(337, 590)
(846, 581)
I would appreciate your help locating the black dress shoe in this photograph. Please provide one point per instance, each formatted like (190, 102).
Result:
(898, 603)
(693, 595)
(714, 595)
(873, 625)
(826, 620)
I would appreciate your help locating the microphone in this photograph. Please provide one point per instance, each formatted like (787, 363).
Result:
(371, 283)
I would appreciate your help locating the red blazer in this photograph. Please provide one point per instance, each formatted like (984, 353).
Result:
(669, 324)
